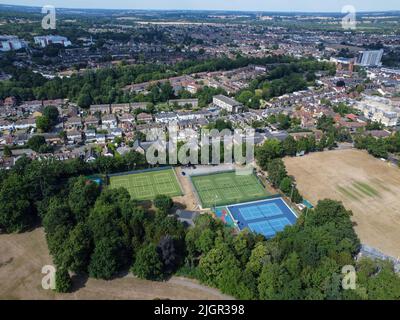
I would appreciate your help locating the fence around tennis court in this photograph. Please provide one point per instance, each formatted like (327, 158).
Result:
(139, 171)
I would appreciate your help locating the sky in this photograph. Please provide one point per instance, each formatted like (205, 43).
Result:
(245, 5)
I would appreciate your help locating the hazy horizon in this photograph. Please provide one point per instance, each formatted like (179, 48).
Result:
(222, 5)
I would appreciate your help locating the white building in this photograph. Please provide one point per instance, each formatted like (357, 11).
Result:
(227, 103)
(44, 41)
(166, 117)
(370, 58)
(380, 110)
(8, 43)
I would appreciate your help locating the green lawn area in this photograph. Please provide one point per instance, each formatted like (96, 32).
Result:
(358, 190)
(147, 185)
(227, 188)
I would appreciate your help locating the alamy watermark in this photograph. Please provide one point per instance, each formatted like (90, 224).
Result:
(49, 280)
(349, 21)
(205, 147)
(349, 277)
(49, 20)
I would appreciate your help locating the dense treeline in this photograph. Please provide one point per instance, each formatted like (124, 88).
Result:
(105, 85)
(378, 147)
(29, 182)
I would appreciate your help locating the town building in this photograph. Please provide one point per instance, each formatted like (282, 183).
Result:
(227, 103)
(379, 109)
(370, 58)
(9, 43)
(44, 41)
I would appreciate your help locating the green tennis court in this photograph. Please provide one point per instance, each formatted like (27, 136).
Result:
(227, 188)
(147, 185)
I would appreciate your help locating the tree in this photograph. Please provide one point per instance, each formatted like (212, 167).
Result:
(296, 197)
(269, 285)
(78, 248)
(84, 100)
(286, 185)
(168, 254)
(7, 152)
(163, 203)
(271, 149)
(289, 146)
(325, 123)
(36, 142)
(43, 124)
(104, 260)
(258, 258)
(63, 280)
(276, 172)
(148, 264)
(51, 113)
(16, 210)
(82, 196)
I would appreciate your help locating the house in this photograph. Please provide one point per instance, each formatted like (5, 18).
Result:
(123, 150)
(21, 139)
(74, 136)
(192, 103)
(351, 125)
(90, 135)
(144, 117)
(52, 138)
(120, 107)
(10, 102)
(126, 118)
(25, 123)
(5, 125)
(377, 133)
(138, 106)
(192, 115)
(227, 103)
(73, 123)
(279, 135)
(116, 132)
(109, 121)
(101, 138)
(352, 117)
(99, 108)
(91, 122)
(187, 217)
(165, 117)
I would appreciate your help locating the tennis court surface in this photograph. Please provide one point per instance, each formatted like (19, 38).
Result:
(266, 217)
(226, 188)
(146, 185)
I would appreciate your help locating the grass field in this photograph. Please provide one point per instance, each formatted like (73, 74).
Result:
(22, 256)
(227, 188)
(147, 185)
(366, 185)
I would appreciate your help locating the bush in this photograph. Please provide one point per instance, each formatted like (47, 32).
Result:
(63, 280)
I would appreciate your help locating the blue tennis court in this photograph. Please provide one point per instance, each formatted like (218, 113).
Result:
(266, 217)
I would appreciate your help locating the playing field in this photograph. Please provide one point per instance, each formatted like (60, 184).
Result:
(147, 185)
(366, 185)
(227, 188)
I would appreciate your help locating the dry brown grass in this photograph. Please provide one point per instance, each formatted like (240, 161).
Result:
(22, 257)
(366, 185)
